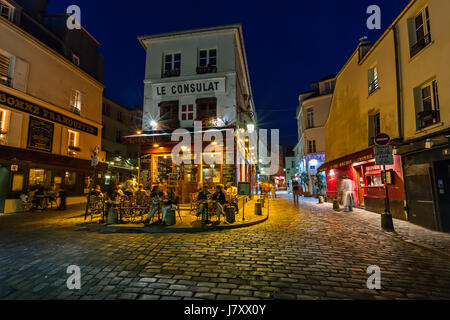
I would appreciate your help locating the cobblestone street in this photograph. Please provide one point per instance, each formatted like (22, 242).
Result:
(304, 252)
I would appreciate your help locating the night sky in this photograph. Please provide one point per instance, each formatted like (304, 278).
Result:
(288, 43)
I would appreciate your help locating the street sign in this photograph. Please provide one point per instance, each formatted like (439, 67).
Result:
(382, 139)
(244, 188)
(383, 155)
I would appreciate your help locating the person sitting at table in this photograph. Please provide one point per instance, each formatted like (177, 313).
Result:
(155, 198)
(97, 192)
(130, 186)
(140, 194)
(168, 203)
(118, 192)
(219, 197)
(203, 195)
(231, 194)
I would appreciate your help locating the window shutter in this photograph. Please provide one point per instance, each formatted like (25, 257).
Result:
(4, 66)
(418, 105)
(20, 78)
(371, 130)
(436, 101)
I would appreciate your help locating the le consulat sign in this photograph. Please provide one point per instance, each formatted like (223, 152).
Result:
(188, 87)
(14, 102)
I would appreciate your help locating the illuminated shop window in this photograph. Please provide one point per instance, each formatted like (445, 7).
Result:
(39, 176)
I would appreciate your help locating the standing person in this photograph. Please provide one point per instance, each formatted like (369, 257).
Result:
(219, 196)
(155, 198)
(347, 187)
(295, 190)
(231, 194)
(62, 198)
(273, 189)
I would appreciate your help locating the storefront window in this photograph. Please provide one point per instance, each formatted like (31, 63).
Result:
(70, 179)
(40, 176)
(187, 172)
(211, 174)
(373, 181)
(162, 168)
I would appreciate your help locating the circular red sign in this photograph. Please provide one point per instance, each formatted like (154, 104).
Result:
(382, 139)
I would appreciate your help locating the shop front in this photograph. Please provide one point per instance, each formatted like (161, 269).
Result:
(426, 164)
(369, 186)
(21, 169)
(195, 169)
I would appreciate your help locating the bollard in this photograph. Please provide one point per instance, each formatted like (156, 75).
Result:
(112, 216)
(262, 201)
(258, 209)
(335, 205)
(170, 218)
(229, 214)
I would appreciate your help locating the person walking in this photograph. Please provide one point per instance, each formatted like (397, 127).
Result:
(295, 190)
(347, 187)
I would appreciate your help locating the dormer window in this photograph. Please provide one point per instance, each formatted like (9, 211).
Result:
(75, 59)
(6, 11)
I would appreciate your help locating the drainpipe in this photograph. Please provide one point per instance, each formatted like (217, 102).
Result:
(400, 113)
(399, 86)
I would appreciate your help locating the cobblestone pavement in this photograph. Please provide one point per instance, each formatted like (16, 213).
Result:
(304, 252)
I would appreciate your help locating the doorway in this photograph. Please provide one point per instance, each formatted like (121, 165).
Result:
(442, 183)
(360, 185)
(4, 184)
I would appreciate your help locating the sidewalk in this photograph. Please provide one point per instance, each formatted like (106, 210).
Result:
(190, 223)
(436, 241)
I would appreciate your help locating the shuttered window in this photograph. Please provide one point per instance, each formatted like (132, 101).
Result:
(4, 70)
(6, 11)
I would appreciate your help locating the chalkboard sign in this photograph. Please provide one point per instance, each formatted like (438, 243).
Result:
(244, 188)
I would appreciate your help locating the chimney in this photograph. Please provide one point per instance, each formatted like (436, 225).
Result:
(363, 47)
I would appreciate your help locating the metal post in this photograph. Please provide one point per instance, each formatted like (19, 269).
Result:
(243, 208)
(386, 218)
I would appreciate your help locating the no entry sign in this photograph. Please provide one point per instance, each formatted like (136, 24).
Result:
(382, 139)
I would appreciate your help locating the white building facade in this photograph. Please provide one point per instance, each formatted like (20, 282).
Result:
(312, 114)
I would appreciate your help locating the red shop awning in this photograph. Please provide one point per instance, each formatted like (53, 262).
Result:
(364, 155)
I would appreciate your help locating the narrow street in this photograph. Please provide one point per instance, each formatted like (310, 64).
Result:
(304, 252)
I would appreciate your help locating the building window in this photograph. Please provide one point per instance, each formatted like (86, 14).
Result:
(106, 109)
(328, 87)
(119, 116)
(422, 31)
(309, 118)
(311, 146)
(373, 80)
(70, 179)
(118, 136)
(73, 142)
(76, 101)
(206, 108)
(374, 128)
(76, 59)
(4, 70)
(6, 11)
(39, 176)
(187, 112)
(207, 61)
(427, 105)
(172, 64)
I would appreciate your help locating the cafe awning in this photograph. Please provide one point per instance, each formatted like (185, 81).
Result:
(361, 156)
